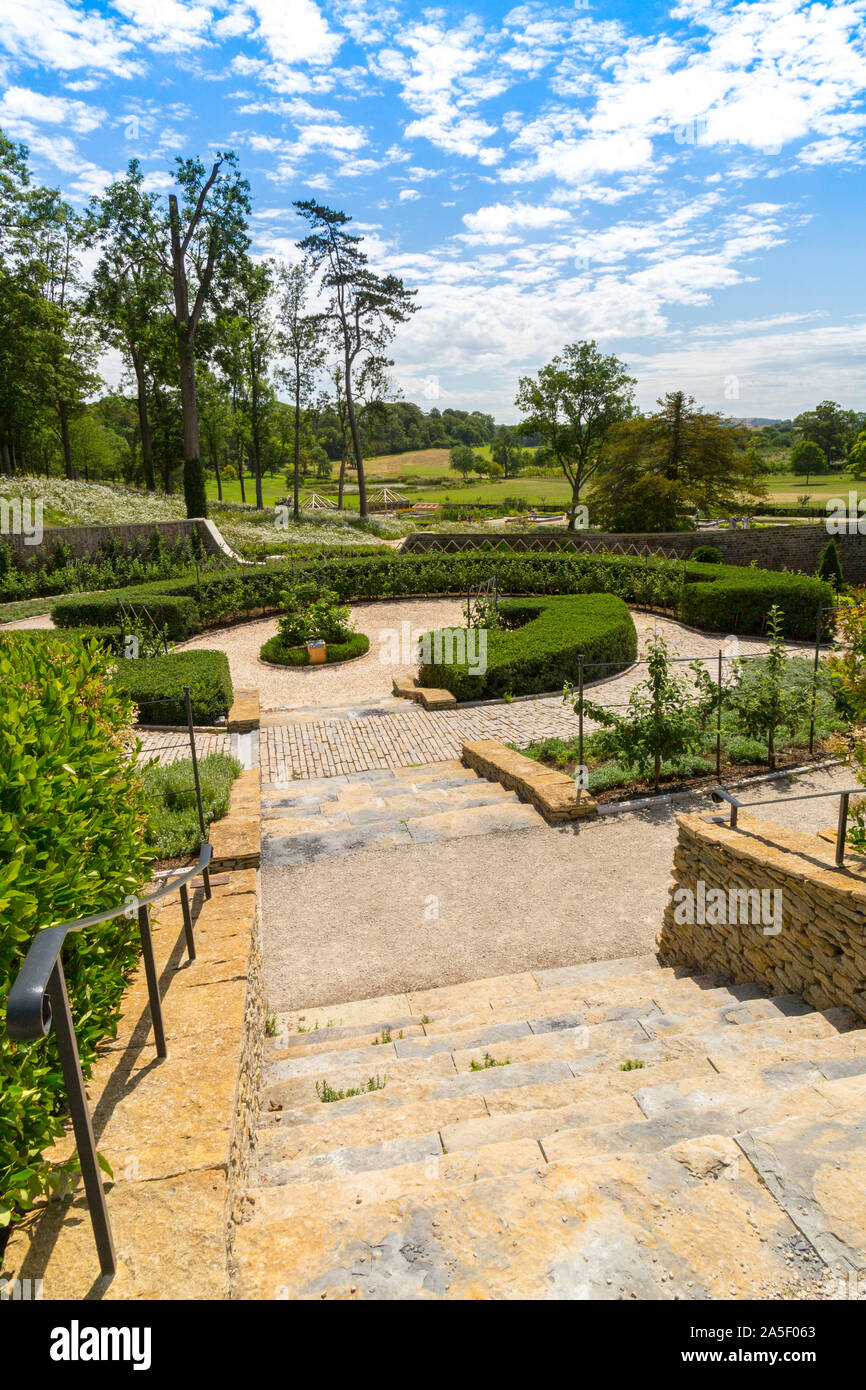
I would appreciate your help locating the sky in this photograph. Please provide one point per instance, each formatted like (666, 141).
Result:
(682, 183)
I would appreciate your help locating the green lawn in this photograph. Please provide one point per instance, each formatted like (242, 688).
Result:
(785, 488)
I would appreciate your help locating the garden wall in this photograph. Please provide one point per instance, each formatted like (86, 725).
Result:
(85, 541)
(819, 948)
(773, 548)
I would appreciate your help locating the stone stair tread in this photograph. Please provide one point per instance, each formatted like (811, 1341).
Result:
(645, 1226)
(814, 1169)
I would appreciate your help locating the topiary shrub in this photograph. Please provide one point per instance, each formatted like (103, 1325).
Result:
(280, 653)
(707, 555)
(538, 647)
(155, 684)
(830, 565)
(73, 817)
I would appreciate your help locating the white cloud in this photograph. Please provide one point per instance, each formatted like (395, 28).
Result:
(20, 108)
(294, 31)
(492, 224)
(170, 26)
(66, 36)
(408, 195)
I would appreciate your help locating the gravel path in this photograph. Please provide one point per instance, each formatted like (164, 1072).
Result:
(369, 677)
(525, 899)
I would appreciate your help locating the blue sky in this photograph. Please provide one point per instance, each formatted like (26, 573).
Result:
(682, 183)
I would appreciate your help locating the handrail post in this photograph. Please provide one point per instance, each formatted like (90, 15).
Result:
(82, 1125)
(579, 725)
(719, 724)
(187, 922)
(197, 780)
(152, 982)
(734, 809)
(842, 829)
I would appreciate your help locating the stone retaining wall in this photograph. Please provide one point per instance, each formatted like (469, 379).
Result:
(772, 548)
(817, 949)
(85, 541)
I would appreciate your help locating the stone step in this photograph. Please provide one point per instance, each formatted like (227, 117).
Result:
(309, 840)
(725, 1092)
(399, 803)
(652, 1226)
(385, 782)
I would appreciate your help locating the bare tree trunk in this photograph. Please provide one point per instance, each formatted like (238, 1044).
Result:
(145, 433)
(356, 441)
(296, 509)
(241, 469)
(63, 414)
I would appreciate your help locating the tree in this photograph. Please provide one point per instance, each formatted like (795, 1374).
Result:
(856, 465)
(207, 238)
(830, 565)
(659, 467)
(762, 698)
(252, 323)
(572, 405)
(462, 460)
(130, 288)
(507, 452)
(663, 720)
(364, 308)
(806, 458)
(303, 343)
(829, 427)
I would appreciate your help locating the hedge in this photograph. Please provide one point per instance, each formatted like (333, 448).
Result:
(155, 684)
(274, 650)
(742, 599)
(73, 817)
(539, 648)
(731, 598)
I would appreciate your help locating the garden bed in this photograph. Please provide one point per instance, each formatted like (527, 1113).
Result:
(274, 652)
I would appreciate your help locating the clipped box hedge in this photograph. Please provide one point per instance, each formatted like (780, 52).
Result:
(276, 651)
(540, 651)
(721, 598)
(735, 598)
(155, 684)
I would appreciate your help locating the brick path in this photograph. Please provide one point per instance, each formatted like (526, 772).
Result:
(168, 747)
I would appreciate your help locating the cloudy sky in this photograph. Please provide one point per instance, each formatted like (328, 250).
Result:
(683, 183)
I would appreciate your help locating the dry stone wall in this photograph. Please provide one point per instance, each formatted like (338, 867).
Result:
(809, 940)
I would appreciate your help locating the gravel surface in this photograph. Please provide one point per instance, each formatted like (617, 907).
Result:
(528, 899)
(371, 675)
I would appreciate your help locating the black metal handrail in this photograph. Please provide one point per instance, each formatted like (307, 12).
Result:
(39, 998)
(719, 794)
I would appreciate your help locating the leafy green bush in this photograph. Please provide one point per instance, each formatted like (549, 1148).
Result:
(177, 613)
(73, 816)
(540, 650)
(721, 598)
(173, 828)
(155, 684)
(309, 611)
(277, 651)
(729, 598)
(830, 565)
(707, 555)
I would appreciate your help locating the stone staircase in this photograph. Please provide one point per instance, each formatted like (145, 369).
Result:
(609, 1130)
(332, 816)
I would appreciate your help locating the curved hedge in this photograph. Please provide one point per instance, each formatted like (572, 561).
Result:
(356, 644)
(723, 598)
(540, 651)
(155, 684)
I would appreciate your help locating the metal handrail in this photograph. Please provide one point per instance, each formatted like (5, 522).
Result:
(719, 794)
(39, 998)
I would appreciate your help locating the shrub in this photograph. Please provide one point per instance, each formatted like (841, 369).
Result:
(173, 828)
(763, 700)
(176, 612)
(279, 652)
(707, 555)
(735, 599)
(539, 651)
(830, 566)
(73, 817)
(155, 684)
(310, 611)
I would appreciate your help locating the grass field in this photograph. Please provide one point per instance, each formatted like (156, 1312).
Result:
(785, 488)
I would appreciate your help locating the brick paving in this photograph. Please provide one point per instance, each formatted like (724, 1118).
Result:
(169, 746)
